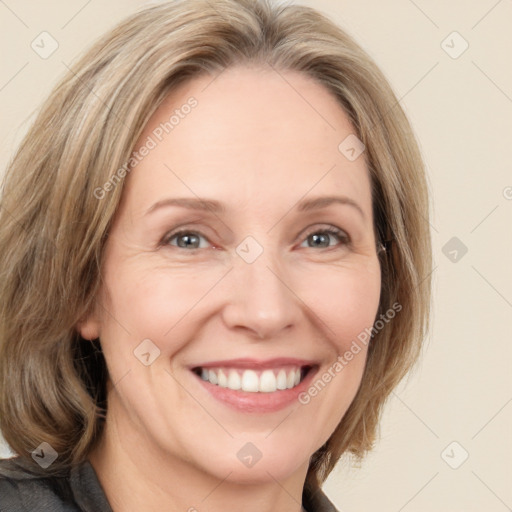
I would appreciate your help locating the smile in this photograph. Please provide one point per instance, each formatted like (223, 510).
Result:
(258, 386)
(254, 380)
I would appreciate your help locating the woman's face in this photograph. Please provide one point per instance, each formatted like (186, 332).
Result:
(254, 291)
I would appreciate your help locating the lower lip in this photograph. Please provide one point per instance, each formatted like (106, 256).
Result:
(258, 402)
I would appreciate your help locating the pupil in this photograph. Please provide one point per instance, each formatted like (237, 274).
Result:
(318, 237)
(187, 239)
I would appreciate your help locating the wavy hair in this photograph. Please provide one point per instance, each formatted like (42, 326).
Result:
(53, 228)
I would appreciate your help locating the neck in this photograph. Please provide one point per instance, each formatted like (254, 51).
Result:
(137, 475)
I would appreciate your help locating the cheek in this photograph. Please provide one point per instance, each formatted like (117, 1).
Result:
(156, 302)
(345, 300)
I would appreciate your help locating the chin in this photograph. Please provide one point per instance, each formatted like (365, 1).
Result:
(270, 467)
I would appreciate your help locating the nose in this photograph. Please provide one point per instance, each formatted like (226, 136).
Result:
(261, 298)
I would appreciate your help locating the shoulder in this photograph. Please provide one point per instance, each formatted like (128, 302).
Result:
(315, 500)
(23, 489)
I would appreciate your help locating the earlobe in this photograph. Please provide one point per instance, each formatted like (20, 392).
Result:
(88, 328)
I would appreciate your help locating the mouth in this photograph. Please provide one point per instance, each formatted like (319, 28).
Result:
(255, 380)
(255, 386)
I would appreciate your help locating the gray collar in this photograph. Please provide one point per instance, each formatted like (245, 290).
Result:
(87, 489)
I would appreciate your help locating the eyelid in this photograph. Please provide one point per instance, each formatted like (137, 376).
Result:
(181, 231)
(328, 228)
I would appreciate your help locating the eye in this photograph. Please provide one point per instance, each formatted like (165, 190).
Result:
(321, 237)
(186, 239)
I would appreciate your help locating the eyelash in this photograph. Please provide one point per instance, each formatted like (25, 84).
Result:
(340, 234)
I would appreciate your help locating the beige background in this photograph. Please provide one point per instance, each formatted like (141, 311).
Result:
(461, 109)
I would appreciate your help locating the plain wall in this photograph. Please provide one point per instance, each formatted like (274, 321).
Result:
(461, 110)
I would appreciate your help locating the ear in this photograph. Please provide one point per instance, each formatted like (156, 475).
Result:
(89, 326)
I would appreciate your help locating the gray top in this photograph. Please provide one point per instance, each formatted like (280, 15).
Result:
(22, 489)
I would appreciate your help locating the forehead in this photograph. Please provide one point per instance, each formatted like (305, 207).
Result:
(254, 136)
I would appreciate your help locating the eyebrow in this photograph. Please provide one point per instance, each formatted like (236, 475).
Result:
(215, 206)
(324, 201)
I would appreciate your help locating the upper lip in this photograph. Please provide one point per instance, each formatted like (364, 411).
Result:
(248, 363)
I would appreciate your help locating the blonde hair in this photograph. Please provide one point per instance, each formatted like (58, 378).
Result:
(53, 228)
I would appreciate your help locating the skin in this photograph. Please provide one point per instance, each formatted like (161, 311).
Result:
(258, 141)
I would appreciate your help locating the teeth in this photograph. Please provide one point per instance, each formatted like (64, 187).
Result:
(266, 381)
(234, 381)
(290, 380)
(223, 380)
(250, 381)
(213, 377)
(281, 379)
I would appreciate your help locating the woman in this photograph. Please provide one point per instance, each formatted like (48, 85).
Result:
(214, 256)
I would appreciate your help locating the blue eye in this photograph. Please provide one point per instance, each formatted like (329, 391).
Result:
(320, 238)
(190, 239)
